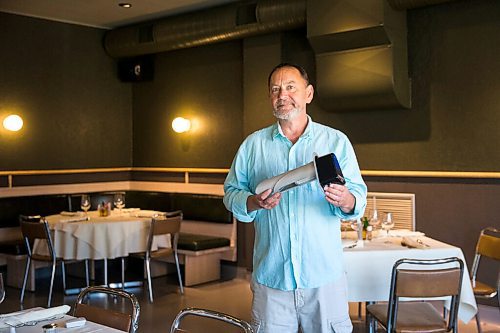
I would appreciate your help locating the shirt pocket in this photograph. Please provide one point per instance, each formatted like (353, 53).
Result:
(341, 326)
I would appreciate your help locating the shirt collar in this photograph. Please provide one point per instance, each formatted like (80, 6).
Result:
(277, 131)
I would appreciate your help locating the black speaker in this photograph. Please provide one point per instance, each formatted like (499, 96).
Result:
(136, 69)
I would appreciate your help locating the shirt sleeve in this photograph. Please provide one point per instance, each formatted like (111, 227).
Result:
(236, 187)
(354, 181)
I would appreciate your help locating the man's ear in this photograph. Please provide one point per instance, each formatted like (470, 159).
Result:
(309, 93)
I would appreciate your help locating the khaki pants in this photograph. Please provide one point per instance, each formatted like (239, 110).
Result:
(318, 310)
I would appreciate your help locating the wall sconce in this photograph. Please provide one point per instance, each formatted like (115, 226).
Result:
(181, 125)
(13, 123)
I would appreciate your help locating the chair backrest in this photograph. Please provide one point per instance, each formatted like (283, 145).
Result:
(33, 229)
(2, 289)
(488, 245)
(163, 224)
(128, 322)
(245, 326)
(421, 278)
(402, 206)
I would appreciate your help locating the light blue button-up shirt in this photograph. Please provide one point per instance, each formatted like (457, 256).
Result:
(297, 243)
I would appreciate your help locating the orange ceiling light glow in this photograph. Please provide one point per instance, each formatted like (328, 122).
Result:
(181, 125)
(13, 123)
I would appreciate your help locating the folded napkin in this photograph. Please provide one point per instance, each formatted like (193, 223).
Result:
(414, 242)
(75, 219)
(21, 318)
(405, 233)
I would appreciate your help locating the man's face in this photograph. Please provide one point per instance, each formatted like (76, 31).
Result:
(289, 93)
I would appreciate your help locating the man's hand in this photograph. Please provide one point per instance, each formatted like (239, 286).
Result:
(339, 196)
(263, 201)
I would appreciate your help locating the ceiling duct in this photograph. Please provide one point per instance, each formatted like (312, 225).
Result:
(361, 54)
(218, 24)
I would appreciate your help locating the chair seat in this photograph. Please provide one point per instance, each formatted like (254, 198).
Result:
(412, 317)
(161, 252)
(484, 290)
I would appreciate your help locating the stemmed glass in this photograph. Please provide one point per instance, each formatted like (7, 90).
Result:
(387, 222)
(344, 224)
(85, 203)
(119, 201)
(374, 220)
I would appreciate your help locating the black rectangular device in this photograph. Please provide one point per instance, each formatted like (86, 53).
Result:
(328, 170)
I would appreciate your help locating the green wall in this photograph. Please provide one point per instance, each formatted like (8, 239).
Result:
(79, 115)
(76, 112)
(204, 84)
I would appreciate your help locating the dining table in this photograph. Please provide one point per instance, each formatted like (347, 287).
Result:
(58, 322)
(88, 235)
(369, 264)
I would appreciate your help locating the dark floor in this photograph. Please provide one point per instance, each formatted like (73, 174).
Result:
(232, 297)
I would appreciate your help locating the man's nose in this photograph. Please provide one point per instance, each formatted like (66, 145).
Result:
(282, 93)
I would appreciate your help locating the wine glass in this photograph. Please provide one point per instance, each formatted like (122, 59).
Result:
(354, 225)
(387, 222)
(2, 289)
(119, 201)
(374, 220)
(344, 224)
(85, 203)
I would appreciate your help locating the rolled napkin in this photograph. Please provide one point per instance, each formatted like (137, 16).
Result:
(405, 233)
(65, 213)
(146, 213)
(414, 242)
(75, 219)
(130, 210)
(17, 319)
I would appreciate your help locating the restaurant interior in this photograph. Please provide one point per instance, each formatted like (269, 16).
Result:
(413, 83)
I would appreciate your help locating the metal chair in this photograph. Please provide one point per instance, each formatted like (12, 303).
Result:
(245, 326)
(488, 245)
(37, 228)
(426, 278)
(128, 322)
(162, 224)
(2, 289)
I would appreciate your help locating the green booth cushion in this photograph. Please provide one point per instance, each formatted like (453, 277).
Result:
(194, 242)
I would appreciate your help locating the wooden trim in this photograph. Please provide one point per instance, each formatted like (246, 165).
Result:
(187, 171)
(431, 174)
(20, 191)
(61, 171)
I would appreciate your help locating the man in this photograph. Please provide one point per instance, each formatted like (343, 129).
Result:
(298, 278)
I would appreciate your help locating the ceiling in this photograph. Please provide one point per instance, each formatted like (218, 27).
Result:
(104, 13)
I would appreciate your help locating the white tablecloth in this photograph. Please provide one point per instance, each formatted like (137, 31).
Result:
(87, 328)
(369, 269)
(108, 237)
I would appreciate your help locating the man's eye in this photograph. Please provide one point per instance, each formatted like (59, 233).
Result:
(274, 90)
(290, 87)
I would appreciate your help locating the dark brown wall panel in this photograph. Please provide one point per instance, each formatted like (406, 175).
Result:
(204, 84)
(58, 78)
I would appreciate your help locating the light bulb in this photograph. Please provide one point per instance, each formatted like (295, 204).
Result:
(181, 125)
(13, 123)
